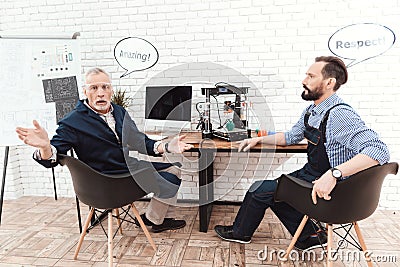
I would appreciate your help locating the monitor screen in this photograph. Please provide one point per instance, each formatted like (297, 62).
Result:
(168, 103)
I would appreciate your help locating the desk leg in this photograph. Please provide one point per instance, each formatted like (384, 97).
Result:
(206, 187)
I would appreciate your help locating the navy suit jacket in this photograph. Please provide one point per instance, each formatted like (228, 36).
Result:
(96, 144)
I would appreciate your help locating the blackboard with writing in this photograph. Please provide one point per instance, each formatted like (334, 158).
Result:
(62, 91)
(64, 107)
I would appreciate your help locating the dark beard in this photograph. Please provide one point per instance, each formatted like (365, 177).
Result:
(312, 95)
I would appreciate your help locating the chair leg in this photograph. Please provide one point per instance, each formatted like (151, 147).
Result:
(118, 220)
(296, 236)
(362, 243)
(329, 260)
(110, 240)
(85, 227)
(78, 211)
(146, 232)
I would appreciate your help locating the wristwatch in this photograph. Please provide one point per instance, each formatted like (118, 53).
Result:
(336, 173)
(166, 147)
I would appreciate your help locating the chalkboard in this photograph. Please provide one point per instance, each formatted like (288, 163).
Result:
(39, 78)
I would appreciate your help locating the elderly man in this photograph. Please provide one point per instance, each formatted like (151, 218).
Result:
(102, 133)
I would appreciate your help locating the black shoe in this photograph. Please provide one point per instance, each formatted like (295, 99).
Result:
(226, 233)
(313, 241)
(168, 224)
(146, 221)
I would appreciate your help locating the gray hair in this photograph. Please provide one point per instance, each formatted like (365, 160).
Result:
(96, 71)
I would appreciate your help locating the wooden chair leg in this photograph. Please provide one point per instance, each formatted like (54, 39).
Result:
(329, 259)
(118, 220)
(362, 243)
(85, 227)
(110, 240)
(296, 236)
(146, 232)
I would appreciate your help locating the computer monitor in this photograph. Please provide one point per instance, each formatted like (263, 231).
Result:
(168, 107)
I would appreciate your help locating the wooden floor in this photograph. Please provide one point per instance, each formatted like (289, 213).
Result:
(39, 231)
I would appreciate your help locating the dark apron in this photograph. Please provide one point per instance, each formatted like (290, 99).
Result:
(318, 161)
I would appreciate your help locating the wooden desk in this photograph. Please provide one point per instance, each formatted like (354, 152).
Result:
(206, 149)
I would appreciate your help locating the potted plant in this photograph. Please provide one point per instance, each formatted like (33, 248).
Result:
(121, 98)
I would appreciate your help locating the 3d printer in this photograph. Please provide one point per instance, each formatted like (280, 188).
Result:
(233, 124)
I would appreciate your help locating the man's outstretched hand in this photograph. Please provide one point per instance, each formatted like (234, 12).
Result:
(36, 137)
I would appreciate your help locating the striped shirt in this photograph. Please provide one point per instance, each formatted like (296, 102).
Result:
(346, 133)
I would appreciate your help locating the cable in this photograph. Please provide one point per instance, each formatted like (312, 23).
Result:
(229, 86)
(223, 83)
(197, 108)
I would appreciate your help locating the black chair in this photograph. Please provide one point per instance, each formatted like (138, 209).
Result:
(109, 192)
(353, 199)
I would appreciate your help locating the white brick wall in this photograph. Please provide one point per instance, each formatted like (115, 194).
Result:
(268, 44)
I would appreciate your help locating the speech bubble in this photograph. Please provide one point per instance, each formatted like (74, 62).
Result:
(135, 54)
(359, 42)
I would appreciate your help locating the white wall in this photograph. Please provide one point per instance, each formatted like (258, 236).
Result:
(270, 43)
